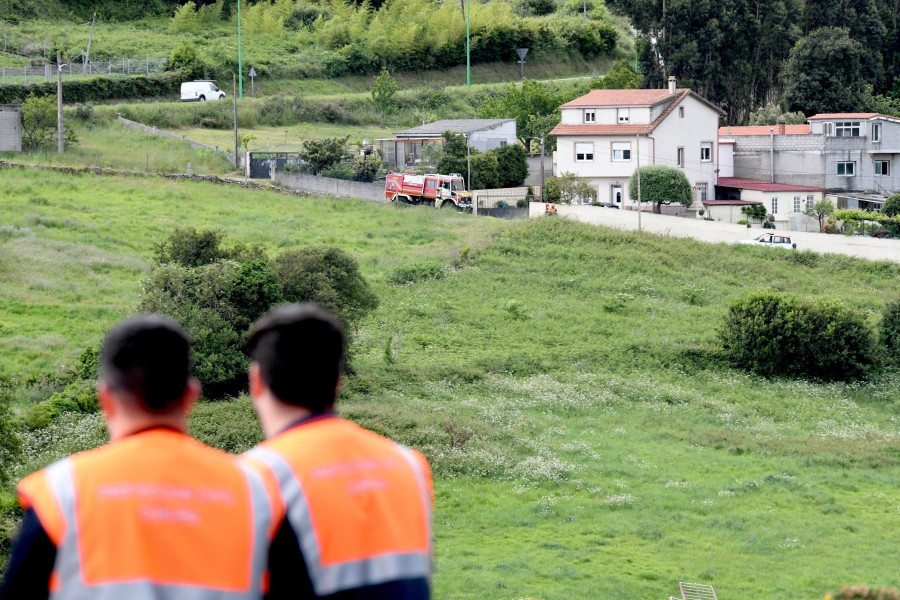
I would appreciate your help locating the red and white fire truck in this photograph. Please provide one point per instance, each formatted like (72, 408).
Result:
(441, 191)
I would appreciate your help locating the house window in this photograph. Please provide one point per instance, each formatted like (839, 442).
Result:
(680, 112)
(584, 152)
(775, 206)
(876, 132)
(847, 169)
(680, 158)
(829, 129)
(882, 167)
(706, 152)
(590, 115)
(621, 151)
(810, 200)
(796, 204)
(623, 115)
(846, 129)
(703, 189)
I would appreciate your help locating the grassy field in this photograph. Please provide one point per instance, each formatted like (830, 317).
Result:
(108, 144)
(564, 381)
(289, 138)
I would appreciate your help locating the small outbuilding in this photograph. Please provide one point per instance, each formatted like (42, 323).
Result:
(404, 150)
(10, 127)
(785, 203)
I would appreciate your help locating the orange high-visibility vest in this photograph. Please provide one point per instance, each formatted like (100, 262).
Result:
(156, 515)
(359, 503)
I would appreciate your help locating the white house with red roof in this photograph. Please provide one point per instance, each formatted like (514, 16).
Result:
(603, 133)
(785, 202)
(852, 156)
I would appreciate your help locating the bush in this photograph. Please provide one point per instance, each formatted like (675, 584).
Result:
(891, 206)
(95, 89)
(512, 165)
(329, 276)
(9, 443)
(190, 248)
(771, 334)
(186, 58)
(890, 332)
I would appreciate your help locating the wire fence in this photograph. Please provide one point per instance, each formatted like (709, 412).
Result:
(123, 67)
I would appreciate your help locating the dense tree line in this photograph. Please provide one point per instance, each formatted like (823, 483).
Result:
(735, 52)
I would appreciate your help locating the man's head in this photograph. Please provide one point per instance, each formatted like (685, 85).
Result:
(298, 353)
(145, 364)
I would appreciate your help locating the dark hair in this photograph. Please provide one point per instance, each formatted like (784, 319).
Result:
(300, 352)
(148, 358)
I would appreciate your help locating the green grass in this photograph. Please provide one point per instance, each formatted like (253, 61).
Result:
(564, 380)
(12, 60)
(286, 139)
(108, 144)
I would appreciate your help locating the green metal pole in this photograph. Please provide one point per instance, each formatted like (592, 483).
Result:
(240, 69)
(468, 64)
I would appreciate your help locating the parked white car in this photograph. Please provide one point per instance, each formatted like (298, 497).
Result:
(771, 240)
(199, 91)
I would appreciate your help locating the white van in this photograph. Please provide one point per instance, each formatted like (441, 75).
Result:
(198, 91)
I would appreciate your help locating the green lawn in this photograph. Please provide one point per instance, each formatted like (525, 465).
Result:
(564, 380)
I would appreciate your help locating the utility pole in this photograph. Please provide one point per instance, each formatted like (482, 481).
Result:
(87, 55)
(637, 141)
(468, 63)
(234, 95)
(59, 116)
(240, 68)
(542, 166)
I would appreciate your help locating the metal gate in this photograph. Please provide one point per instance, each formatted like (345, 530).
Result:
(261, 163)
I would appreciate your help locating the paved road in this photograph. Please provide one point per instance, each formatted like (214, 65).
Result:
(716, 231)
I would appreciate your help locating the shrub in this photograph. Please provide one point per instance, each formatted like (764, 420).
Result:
(95, 89)
(187, 59)
(772, 334)
(200, 299)
(891, 206)
(890, 332)
(255, 290)
(9, 443)
(190, 248)
(416, 273)
(324, 153)
(329, 276)
(512, 165)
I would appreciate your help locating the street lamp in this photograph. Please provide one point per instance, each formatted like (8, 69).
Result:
(522, 52)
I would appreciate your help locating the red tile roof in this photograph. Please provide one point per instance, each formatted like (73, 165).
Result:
(845, 116)
(764, 186)
(601, 129)
(764, 130)
(728, 202)
(621, 98)
(621, 129)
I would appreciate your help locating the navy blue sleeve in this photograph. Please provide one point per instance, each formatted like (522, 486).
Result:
(29, 569)
(288, 577)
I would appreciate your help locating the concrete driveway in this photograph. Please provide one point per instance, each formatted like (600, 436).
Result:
(716, 231)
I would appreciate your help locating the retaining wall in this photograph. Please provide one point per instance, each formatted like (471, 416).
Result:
(327, 186)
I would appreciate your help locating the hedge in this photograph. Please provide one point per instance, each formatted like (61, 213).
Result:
(94, 89)
(773, 334)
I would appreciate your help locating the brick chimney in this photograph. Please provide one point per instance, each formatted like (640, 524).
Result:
(671, 84)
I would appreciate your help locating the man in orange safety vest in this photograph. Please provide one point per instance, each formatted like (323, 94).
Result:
(358, 506)
(153, 514)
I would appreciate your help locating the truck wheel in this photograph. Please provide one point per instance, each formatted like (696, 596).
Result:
(202, 98)
(448, 204)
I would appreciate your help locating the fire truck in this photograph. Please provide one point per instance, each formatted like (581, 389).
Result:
(441, 191)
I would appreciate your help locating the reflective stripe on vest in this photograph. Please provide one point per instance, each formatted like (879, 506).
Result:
(347, 575)
(68, 568)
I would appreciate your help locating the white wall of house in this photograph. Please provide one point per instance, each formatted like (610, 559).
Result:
(494, 137)
(686, 139)
(787, 207)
